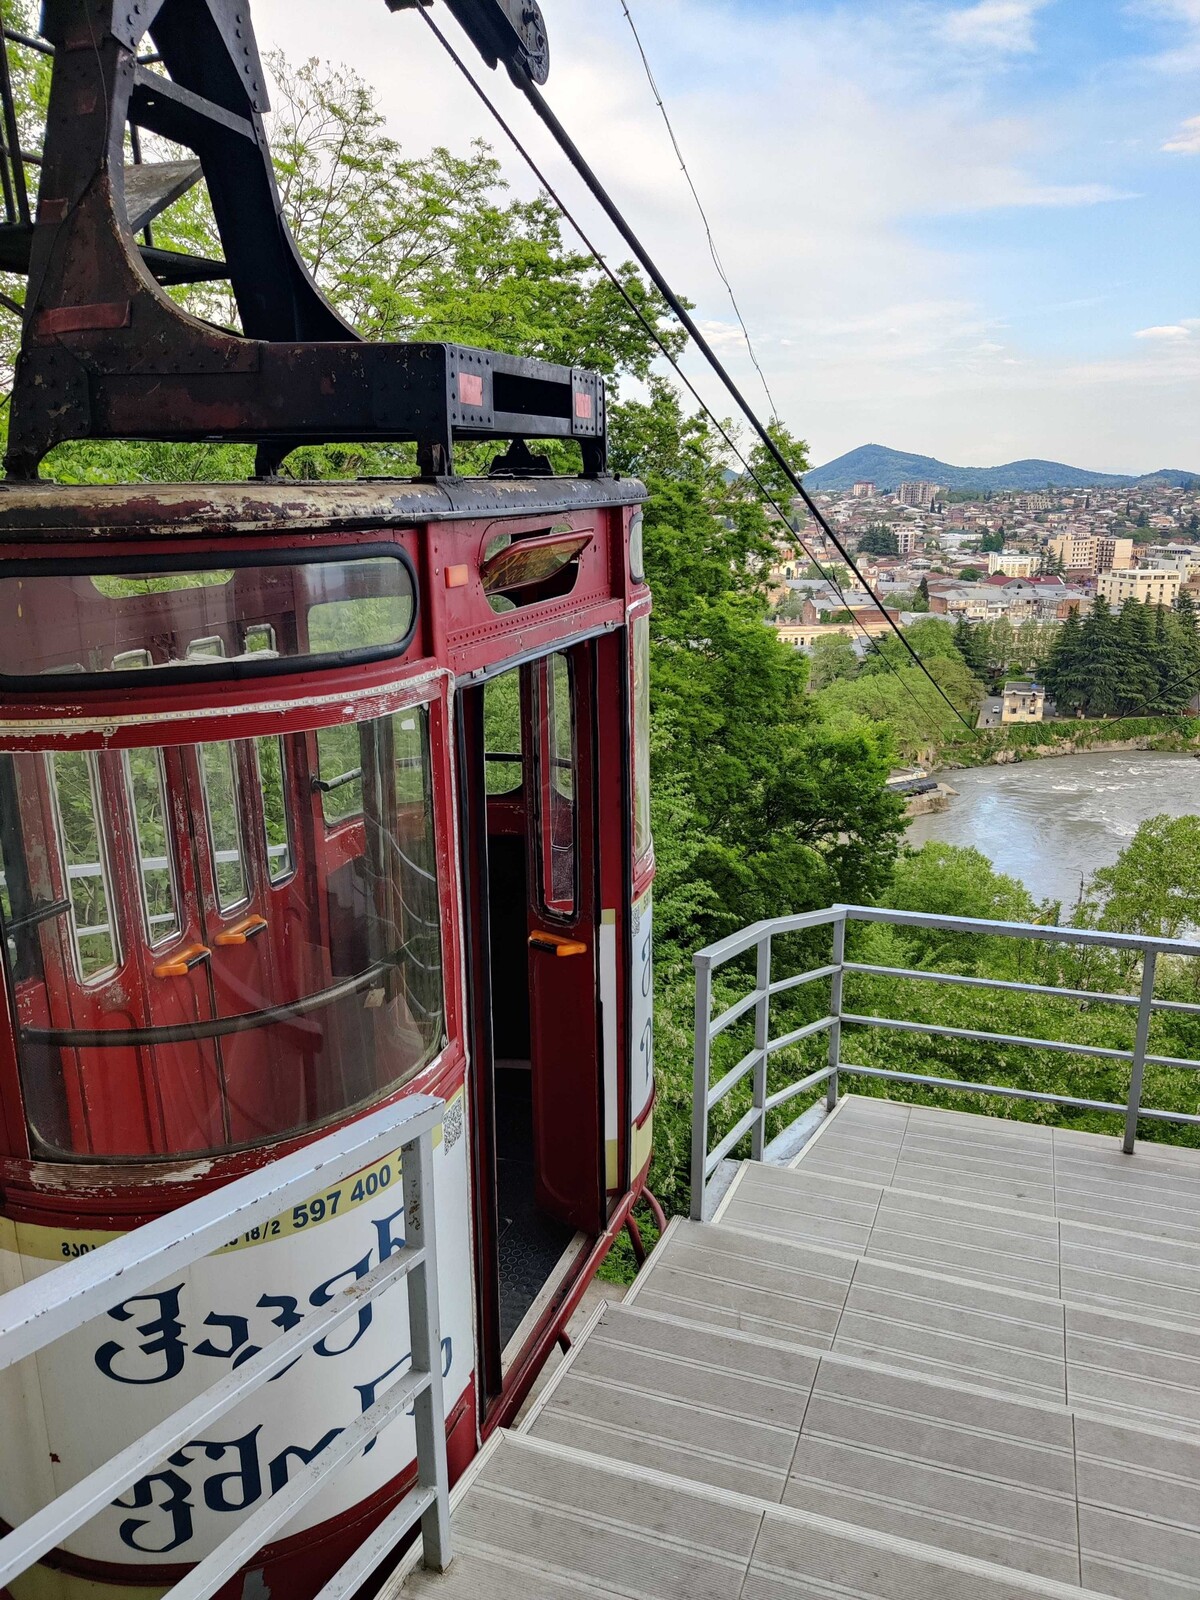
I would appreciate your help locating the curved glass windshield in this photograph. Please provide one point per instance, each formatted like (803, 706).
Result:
(67, 619)
(204, 955)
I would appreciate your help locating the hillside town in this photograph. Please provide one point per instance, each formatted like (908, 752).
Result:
(1031, 559)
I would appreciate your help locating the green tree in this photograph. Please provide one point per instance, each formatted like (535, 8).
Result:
(831, 659)
(971, 647)
(992, 542)
(1135, 651)
(768, 471)
(1065, 674)
(879, 541)
(930, 638)
(1103, 660)
(1154, 886)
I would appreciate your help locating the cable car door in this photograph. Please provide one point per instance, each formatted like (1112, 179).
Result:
(563, 944)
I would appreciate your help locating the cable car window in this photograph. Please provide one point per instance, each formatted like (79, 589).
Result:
(213, 647)
(266, 613)
(223, 805)
(556, 744)
(503, 745)
(339, 773)
(146, 781)
(84, 864)
(259, 639)
(335, 1002)
(277, 821)
(641, 738)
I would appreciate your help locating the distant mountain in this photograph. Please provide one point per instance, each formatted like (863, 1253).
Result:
(888, 469)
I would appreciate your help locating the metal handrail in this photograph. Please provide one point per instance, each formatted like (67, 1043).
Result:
(59, 1302)
(760, 938)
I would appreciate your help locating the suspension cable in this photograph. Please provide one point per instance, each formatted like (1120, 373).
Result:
(613, 212)
(708, 233)
(656, 336)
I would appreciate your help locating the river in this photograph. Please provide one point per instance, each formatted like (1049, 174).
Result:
(1052, 822)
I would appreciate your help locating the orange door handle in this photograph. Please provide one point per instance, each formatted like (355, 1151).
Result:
(241, 932)
(179, 966)
(554, 944)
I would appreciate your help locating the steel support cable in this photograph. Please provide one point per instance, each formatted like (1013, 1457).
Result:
(577, 159)
(654, 334)
(712, 243)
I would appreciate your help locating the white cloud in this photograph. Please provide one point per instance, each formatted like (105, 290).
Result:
(1186, 141)
(1172, 332)
(1004, 25)
(830, 145)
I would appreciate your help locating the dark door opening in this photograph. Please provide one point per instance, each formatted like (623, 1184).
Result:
(530, 869)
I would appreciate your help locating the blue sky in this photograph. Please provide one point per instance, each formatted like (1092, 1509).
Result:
(964, 227)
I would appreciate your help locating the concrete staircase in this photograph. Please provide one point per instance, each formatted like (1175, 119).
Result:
(940, 1358)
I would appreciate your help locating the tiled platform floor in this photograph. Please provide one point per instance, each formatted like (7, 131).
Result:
(943, 1356)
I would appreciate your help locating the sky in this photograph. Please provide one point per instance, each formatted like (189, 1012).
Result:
(969, 230)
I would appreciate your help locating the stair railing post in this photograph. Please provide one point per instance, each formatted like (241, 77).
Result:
(700, 1085)
(425, 1335)
(835, 1010)
(762, 1052)
(1140, 1046)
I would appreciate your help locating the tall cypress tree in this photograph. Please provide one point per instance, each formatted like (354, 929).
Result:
(1134, 650)
(1065, 674)
(970, 647)
(1103, 660)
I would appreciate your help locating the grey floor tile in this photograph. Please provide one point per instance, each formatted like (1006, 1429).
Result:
(951, 1510)
(1136, 1559)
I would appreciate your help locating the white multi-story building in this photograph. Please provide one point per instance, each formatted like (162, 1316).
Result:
(863, 491)
(1153, 586)
(1092, 552)
(1012, 563)
(906, 540)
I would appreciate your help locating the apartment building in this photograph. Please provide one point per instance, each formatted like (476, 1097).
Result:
(918, 494)
(1153, 586)
(1092, 552)
(1012, 563)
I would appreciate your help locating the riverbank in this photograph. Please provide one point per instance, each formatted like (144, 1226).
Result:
(1050, 824)
(1039, 741)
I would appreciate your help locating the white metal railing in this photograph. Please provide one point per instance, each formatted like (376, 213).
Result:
(36, 1314)
(754, 1064)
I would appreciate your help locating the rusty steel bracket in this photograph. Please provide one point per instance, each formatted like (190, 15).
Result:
(106, 352)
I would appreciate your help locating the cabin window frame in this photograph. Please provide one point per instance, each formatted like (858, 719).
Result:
(255, 664)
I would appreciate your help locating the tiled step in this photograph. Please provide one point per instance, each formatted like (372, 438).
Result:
(1051, 1172)
(1036, 1487)
(536, 1521)
(1023, 1344)
(939, 1233)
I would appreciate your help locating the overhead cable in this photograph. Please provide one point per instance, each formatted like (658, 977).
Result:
(523, 151)
(712, 243)
(613, 212)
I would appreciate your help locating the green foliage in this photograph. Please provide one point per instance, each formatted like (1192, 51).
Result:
(906, 703)
(992, 542)
(831, 660)
(1154, 886)
(879, 541)
(1145, 659)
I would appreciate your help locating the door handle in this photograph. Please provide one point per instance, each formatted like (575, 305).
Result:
(555, 944)
(241, 932)
(179, 966)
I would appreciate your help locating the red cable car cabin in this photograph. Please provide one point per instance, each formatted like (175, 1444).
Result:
(308, 800)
